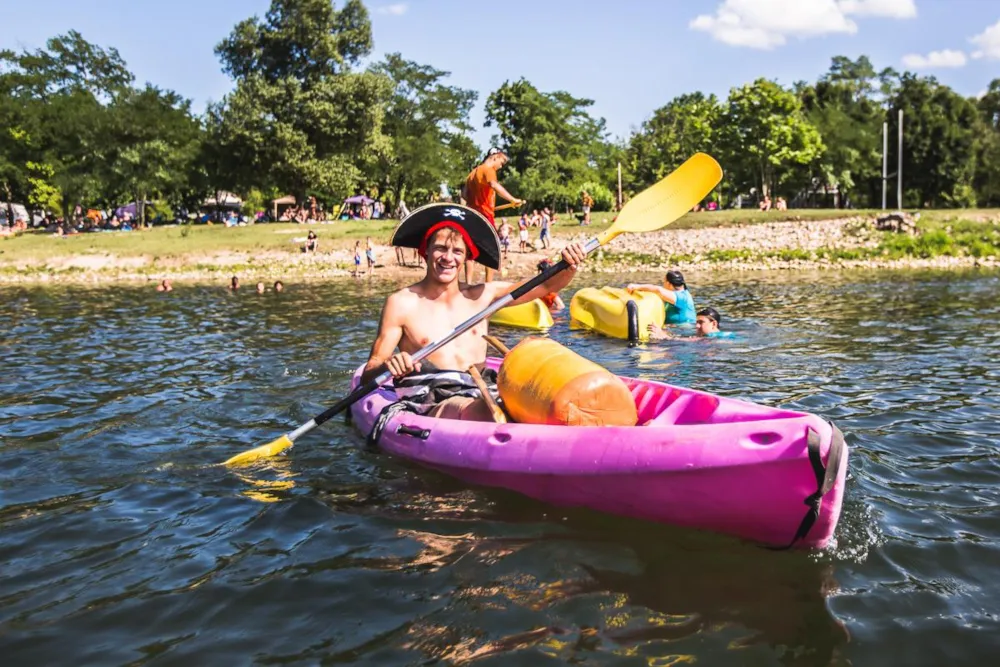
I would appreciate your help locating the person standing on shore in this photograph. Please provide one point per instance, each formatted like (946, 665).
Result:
(370, 255)
(587, 202)
(480, 191)
(674, 292)
(543, 236)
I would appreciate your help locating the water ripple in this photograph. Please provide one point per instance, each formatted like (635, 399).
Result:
(124, 543)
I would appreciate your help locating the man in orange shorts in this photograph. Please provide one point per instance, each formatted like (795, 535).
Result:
(480, 191)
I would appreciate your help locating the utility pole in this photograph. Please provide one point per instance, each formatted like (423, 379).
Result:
(885, 159)
(619, 186)
(899, 170)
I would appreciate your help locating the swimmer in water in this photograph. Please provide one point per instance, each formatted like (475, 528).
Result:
(165, 286)
(676, 297)
(278, 286)
(707, 324)
(234, 284)
(260, 288)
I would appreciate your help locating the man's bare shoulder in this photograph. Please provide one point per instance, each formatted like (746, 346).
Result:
(402, 299)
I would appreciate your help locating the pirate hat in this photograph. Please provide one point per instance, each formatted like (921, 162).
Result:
(482, 241)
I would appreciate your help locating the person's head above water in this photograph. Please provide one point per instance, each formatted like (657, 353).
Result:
(234, 283)
(708, 321)
(674, 280)
(260, 288)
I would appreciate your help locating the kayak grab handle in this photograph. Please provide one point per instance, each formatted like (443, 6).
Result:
(422, 433)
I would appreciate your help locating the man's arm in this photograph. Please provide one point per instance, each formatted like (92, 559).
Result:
(667, 295)
(502, 191)
(390, 332)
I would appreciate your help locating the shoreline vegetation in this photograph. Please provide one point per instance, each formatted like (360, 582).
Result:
(735, 240)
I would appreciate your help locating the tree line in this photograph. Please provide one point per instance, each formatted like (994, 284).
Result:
(308, 117)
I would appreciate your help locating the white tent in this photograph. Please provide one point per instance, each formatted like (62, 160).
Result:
(19, 212)
(225, 200)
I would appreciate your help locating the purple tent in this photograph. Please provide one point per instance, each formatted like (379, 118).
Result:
(358, 199)
(132, 209)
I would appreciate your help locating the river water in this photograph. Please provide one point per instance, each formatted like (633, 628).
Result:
(122, 543)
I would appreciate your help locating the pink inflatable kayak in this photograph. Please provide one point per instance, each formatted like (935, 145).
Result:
(768, 475)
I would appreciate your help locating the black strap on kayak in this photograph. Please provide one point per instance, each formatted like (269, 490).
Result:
(632, 310)
(388, 412)
(825, 478)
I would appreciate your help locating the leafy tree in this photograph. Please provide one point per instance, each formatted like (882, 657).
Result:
(844, 106)
(428, 123)
(154, 142)
(939, 142)
(553, 142)
(987, 176)
(684, 126)
(765, 135)
(300, 118)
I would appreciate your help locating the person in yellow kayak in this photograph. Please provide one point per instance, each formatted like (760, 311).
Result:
(447, 235)
(674, 292)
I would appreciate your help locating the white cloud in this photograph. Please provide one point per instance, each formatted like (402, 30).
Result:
(765, 24)
(945, 58)
(988, 42)
(397, 9)
(893, 9)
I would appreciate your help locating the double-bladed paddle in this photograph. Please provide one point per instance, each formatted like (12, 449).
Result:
(655, 207)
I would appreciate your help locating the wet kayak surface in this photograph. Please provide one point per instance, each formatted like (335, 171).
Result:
(123, 542)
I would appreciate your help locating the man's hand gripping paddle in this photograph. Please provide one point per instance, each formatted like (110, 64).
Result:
(654, 208)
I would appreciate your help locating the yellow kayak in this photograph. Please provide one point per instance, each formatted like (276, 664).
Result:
(532, 315)
(606, 311)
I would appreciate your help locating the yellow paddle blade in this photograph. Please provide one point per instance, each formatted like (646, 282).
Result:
(264, 451)
(660, 204)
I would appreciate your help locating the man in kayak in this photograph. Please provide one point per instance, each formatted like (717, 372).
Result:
(480, 194)
(447, 235)
(708, 324)
(674, 292)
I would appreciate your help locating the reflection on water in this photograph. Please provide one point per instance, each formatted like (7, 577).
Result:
(123, 541)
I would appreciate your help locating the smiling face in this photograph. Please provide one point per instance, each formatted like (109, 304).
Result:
(446, 252)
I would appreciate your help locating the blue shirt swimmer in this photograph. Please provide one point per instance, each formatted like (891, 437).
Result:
(678, 300)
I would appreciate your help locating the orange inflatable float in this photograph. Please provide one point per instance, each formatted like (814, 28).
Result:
(542, 382)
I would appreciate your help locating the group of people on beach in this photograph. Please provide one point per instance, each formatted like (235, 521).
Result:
(450, 238)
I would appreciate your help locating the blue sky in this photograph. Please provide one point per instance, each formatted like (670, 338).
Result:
(629, 56)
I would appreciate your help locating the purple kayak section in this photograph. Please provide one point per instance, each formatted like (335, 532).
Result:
(696, 460)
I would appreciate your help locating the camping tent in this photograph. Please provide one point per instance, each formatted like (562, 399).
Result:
(19, 212)
(353, 203)
(225, 200)
(358, 199)
(287, 200)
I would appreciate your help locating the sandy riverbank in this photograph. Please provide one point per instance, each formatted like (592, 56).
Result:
(812, 244)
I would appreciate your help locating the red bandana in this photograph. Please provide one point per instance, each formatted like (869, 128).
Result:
(473, 250)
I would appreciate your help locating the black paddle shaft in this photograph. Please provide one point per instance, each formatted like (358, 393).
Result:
(370, 386)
